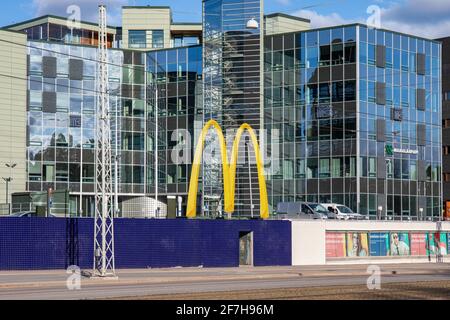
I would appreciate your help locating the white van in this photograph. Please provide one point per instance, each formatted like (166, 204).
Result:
(342, 212)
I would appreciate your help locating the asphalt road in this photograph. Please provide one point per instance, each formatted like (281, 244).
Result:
(148, 282)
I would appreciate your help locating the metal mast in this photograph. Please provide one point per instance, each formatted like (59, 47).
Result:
(104, 230)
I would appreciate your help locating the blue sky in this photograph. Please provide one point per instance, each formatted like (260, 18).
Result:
(429, 18)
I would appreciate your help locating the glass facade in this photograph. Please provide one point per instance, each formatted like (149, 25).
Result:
(62, 119)
(137, 39)
(61, 33)
(157, 39)
(232, 90)
(357, 117)
(177, 75)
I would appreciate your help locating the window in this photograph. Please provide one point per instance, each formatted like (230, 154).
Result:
(324, 171)
(389, 168)
(350, 52)
(405, 169)
(180, 41)
(337, 168)
(312, 57)
(371, 54)
(300, 168)
(350, 90)
(158, 39)
(137, 39)
(35, 171)
(338, 91)
(447, 96)
(337, 54)
(324, 55)
(324, 92)
(300, 58)
(312, 168)
(413, 170)
(350, 166)
(288, 169)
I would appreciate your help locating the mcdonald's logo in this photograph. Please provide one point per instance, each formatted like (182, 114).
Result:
(229, 170)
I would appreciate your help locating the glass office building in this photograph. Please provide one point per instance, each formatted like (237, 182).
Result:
(358, 112)
(352, 115)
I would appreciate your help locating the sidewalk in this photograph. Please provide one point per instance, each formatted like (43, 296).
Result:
(52, 278)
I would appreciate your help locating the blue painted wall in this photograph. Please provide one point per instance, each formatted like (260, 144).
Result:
(39, 243)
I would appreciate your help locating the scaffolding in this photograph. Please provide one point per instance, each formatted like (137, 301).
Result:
(104, 265)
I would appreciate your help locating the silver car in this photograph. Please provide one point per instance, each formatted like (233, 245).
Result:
(302, 210)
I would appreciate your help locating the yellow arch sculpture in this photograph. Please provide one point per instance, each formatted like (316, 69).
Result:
(263, 201)
(229, 170)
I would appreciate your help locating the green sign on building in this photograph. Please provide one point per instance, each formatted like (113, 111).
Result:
(389, 150)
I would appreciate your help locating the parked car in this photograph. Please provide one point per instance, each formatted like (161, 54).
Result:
(302, 210)
(27, 214)
(343, 212)
(339, 213)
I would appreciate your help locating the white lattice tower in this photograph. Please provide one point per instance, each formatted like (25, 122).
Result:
(104, 228)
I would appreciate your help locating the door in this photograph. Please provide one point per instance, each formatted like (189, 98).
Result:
(245, 248)
(171, 207)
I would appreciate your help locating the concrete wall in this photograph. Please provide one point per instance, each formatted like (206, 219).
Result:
(146, 18)
(280, 23)
(13, 111)
(308, 239)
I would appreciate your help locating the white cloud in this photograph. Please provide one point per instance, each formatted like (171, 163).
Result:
(89, 9)
(318, 20)
(425, 18)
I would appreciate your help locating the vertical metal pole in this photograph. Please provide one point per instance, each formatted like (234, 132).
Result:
(156, 152)
(7, 192)
(116, 188)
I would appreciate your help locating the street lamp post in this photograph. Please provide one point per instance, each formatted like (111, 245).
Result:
(116, 184)
(380, 210)
(8, 180)
(156, 152)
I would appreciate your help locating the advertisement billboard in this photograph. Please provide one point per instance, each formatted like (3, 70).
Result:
(357, 244)
(335, 245)
(379, 244)
(399, 244)
(437, 243)
(448, 241)
(418, 244)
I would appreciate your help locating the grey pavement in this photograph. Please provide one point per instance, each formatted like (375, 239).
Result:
(142, 282)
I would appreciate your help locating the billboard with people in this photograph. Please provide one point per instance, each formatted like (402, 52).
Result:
(357, 244)
(340, 244)
(399, 245)
(437, 243)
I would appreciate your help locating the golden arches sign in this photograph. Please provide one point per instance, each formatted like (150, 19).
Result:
(229, 170)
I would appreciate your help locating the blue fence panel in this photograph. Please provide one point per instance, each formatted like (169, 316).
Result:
(40, 243)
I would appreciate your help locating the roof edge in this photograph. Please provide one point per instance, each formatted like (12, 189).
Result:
(285, 15)
(47, 16)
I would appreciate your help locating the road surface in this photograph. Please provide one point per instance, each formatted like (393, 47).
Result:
(213, 283)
